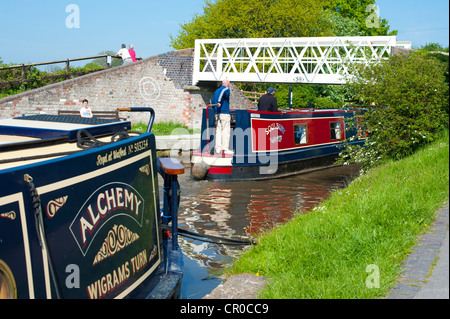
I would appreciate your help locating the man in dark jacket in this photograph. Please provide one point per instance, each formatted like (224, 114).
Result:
(268, 102)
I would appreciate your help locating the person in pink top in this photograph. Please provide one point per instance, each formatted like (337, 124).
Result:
(132, 53)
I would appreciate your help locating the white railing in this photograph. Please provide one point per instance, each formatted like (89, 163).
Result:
(322, 60)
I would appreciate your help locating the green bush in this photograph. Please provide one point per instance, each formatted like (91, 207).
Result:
(39, 78)
(408, 98)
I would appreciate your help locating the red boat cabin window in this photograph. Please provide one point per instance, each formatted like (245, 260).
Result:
(335, 130)
(300, 134)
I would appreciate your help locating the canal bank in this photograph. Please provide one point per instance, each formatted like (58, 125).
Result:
(353, 246)
(242, 210)
(425, 275)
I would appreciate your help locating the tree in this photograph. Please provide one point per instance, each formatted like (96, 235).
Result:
(344, 26)
(364, 12)
(101, 62)
(301, 97)
(434, 47)
(408, 99)
(438, 52)
(224, 19)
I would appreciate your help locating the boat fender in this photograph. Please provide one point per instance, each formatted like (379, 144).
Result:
(200, 169)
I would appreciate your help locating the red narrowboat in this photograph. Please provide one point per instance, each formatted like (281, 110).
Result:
(275, 144)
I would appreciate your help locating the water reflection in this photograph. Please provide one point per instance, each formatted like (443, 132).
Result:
(242, 210)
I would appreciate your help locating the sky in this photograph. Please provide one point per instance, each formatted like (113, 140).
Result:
(33, 31)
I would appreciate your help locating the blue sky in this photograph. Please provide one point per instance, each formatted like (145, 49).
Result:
(418, 21)
(36, 31)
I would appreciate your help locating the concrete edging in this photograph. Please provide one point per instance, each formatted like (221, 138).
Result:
(242, 286)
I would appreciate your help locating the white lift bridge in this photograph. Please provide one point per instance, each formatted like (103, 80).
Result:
(321, 60)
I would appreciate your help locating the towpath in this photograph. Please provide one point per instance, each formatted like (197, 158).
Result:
(426, 274)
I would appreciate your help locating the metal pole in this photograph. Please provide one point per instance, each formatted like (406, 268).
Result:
(174, 212)
(290, 97)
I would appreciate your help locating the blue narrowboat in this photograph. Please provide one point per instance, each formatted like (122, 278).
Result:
(80, 213)
(268, 145)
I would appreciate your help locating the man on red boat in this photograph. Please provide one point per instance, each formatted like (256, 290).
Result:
(268, 102)
(222, 119)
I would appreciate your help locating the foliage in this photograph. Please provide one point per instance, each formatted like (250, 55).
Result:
(408, 99)
(101, 62)
(362, 12)
(432, 46)
(41, 78)
(344, 26)
(320, 96)
(226, 19)
(302, 95)
(435, 51)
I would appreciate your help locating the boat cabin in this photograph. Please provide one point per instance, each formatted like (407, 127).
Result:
(80, 213)
(275, 144)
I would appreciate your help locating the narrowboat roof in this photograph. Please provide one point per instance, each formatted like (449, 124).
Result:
(56, 126)
(31, 139)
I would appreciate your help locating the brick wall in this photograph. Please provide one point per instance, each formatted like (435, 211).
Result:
(178, 66)
(161, 82)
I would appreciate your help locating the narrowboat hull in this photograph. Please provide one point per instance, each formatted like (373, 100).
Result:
(86, 225)
(269, 145)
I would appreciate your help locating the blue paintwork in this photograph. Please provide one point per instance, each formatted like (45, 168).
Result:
(89, 201)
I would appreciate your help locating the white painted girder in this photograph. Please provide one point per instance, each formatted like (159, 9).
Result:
(322, 60)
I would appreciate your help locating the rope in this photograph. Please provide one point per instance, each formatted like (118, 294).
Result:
(40, 229)
(212, 239)
(89, 141)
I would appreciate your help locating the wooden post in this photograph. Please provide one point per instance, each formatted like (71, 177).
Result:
(67, 69)
(23, 85)
(24, 72)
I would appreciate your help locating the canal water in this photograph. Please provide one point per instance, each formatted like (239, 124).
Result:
(240, 210)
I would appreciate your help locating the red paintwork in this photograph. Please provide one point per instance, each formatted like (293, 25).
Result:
(219, 170)
(281, 132)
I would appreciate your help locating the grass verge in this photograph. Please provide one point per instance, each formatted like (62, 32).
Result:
(163, 128)
(353, 245)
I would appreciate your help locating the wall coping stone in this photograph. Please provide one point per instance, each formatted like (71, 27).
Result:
(19, 96)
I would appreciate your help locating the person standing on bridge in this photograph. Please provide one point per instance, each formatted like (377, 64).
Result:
(268, 102)
(132, 53)
(222, 118)
(125, 55)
